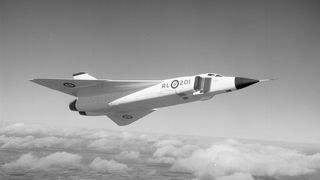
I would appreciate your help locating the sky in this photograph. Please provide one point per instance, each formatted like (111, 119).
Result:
(164, 39)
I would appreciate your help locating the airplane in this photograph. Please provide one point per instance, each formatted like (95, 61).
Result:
(125, 101)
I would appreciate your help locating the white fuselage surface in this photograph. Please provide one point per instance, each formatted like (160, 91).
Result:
(125, 101)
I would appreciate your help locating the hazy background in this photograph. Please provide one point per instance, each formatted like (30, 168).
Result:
(164, 39)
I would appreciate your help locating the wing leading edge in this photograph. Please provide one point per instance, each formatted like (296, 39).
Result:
(83, 88)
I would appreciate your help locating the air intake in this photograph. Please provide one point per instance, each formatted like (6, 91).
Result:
(72, 106)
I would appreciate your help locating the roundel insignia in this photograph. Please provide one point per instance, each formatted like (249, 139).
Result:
(127, 116)
(174, 84)
(69, 85)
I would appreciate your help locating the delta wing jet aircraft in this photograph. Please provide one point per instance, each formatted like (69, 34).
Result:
(125, 101)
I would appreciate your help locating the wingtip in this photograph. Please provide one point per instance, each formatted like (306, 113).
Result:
(37, 81)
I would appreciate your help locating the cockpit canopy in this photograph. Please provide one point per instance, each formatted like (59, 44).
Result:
(214, 75)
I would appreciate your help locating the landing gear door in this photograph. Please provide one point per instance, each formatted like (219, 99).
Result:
(202, 84)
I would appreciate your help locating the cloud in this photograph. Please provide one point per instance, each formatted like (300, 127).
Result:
(226, 160)
(21, 129)
(162, 160)
(237, 176)
(120, 141)
(173, 151)
(128, 155)
(168, 150)
(168, 142)
(102, 165)
(32, 142)
(149, 138)
(104, 145)
(55, 160)
(22, 136)
(99, 134)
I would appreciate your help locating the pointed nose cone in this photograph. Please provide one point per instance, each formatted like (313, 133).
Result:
(244, 82)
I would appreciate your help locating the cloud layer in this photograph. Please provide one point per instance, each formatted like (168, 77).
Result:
(103, 165)
(129, 155)
(33, 142)
(229, 158)
(111, 152)
(55, 160)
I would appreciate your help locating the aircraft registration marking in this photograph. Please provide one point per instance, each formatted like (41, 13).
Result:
(175, 83)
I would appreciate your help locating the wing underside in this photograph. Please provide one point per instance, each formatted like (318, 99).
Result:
(86, 87)
(125, 118)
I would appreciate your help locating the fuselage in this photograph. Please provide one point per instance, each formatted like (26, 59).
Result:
(126, 101)
(175, 91)
(169, 92)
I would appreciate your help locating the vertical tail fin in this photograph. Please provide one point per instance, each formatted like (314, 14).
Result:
(83, 76)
